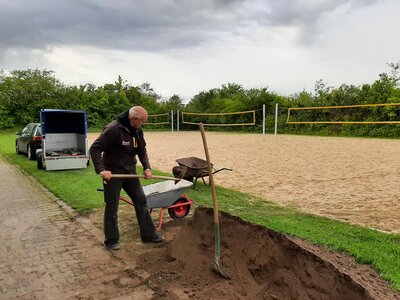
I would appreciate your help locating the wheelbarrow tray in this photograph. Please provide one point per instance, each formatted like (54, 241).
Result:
(196, 167)
(164, 194)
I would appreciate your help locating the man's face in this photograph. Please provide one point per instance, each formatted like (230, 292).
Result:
(137, 122)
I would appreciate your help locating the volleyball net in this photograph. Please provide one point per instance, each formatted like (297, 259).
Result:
(159, 119)
(385, 113)
(242, 118)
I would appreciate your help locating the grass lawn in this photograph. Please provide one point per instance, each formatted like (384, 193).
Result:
(78, 189)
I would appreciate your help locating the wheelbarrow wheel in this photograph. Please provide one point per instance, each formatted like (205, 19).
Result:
(179, 212)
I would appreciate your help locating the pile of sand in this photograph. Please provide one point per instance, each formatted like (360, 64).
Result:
(263, 264)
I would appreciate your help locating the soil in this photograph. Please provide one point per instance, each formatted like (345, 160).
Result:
(262, 264)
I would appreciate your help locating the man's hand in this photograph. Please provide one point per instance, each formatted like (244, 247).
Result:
(106, 175)
(147, 174)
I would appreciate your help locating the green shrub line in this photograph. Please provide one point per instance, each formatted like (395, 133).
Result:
(35, 89)
(381, 250)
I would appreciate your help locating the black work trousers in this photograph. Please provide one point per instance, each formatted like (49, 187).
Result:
(133, 188)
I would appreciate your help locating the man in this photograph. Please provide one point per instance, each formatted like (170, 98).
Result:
(115, 151)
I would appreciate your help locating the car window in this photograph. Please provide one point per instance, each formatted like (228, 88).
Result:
(30, 129)
(38, 130)
(25, 130)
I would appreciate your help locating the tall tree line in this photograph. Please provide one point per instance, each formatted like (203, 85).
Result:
(23, 93)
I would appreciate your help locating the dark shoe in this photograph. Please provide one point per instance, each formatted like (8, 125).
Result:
(154, 238)
(115, 246)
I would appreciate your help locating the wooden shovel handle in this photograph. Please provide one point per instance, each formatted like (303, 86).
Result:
(142, 176)
(210, 174)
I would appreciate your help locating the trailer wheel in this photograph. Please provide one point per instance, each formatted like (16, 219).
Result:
(39, 160)
(179, 212)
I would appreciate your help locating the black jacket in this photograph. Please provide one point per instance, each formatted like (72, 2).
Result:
(116, 148)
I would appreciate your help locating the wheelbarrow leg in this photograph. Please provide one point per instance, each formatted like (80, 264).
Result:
(195, 181)
(158, 229)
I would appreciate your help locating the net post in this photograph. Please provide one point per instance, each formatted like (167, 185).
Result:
(276, 122)
(172, 120)
(177, 120)
(263, 119)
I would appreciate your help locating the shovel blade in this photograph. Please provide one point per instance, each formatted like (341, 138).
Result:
(219, 269)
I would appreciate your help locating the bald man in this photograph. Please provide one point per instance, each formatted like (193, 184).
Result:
(115, 151)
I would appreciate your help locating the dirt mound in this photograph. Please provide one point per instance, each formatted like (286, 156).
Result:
(263, 264)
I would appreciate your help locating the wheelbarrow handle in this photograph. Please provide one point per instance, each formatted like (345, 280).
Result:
(226, 169)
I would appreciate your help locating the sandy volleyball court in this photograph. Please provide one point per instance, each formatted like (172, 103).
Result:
(351, 179)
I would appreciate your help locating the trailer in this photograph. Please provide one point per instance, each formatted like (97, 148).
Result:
(65, 142)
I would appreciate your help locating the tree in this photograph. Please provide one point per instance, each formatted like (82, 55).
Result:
(26, 92)
(395, 72)
(173, 103)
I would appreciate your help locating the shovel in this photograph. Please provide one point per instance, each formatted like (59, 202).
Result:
(142, 176)
(217, 267)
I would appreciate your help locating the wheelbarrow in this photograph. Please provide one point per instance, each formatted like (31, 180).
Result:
(192, 168)
(166, 195)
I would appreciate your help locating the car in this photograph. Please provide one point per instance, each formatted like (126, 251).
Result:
(29, 140)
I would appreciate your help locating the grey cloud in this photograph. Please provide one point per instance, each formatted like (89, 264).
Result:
(146, 25)
(302, 12)
(123, 24)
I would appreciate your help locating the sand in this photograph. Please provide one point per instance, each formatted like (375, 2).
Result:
(262, 264)
(356, 180)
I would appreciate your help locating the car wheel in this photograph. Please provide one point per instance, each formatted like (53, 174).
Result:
(17, 148)
(31, 155)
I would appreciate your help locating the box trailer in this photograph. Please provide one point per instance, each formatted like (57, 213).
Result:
(65, 142)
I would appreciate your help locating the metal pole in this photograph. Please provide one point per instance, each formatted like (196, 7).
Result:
(276, 121)
(263, 119)
(177, 120)
(172, 120)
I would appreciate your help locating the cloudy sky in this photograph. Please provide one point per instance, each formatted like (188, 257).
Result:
(186, 46)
